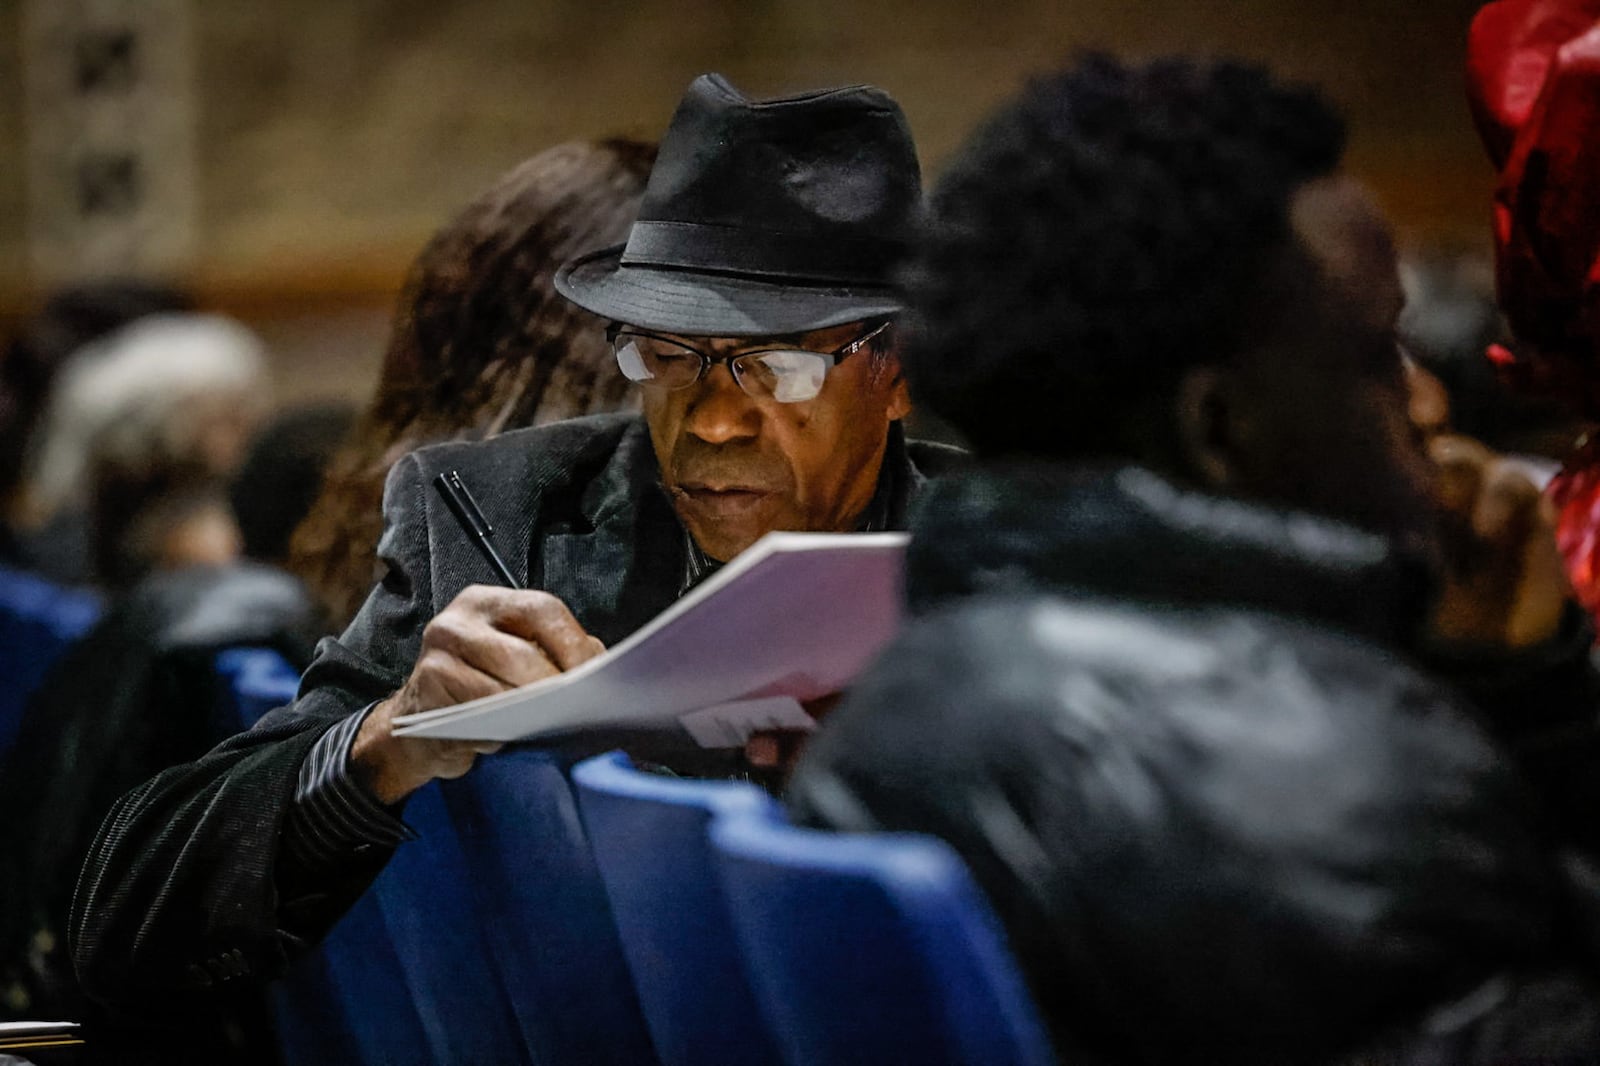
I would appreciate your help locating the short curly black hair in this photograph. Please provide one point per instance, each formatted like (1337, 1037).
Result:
(1098, 235)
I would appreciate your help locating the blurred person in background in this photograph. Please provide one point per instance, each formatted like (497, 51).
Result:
(1237, 653)
(282, 476)
(139, 693)
(143, 430)
(481, 343)
(56, 545)
(1449, 322)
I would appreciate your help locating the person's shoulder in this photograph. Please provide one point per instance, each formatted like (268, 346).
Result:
(932, 458)
(544, 454)
(1233, 656)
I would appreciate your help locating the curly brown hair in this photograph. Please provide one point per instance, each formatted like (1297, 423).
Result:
(481, 343)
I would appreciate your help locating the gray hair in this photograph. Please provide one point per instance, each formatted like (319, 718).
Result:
(128, 397)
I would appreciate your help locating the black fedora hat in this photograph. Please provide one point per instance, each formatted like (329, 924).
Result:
(763, 217)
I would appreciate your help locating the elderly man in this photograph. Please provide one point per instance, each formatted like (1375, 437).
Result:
(752, 304)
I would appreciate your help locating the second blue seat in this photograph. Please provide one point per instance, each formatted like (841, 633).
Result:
(536, 889)
(649, 835)
(873, 947)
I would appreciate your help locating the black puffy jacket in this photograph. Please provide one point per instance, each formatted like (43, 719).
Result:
(1189, 748)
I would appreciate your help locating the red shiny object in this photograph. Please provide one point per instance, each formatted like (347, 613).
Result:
(1533, 75)
(1534, 80)
(1576, 492)
(1501, 356)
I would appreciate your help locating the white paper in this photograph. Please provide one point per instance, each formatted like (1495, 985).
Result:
(799, 615)
(729, 725)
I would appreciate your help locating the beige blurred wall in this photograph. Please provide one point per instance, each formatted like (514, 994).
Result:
(335, 134)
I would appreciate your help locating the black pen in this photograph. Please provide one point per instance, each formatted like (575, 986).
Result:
(465, 508)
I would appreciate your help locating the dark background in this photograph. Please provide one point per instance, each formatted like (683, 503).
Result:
(331, 136)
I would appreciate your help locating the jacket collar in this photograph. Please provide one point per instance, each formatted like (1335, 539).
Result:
(625, 553)
(1126, 533)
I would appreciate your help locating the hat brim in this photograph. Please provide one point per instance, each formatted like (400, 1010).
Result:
(714, 305)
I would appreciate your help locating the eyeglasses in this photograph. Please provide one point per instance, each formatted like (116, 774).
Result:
(787, 375)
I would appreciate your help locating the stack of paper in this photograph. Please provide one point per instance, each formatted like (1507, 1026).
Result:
(796, 617)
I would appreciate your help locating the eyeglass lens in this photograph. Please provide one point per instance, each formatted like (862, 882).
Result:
(785, 375)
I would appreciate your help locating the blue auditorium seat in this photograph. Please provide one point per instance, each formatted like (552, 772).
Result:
(258, 680)
(648, 833)
(873, 948)
(425, 897)
(39, 621)
(539, 894)
(347, 1000)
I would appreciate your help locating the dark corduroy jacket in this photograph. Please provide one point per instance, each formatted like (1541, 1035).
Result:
(184, 888)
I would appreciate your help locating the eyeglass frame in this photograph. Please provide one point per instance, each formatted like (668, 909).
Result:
(838, 355)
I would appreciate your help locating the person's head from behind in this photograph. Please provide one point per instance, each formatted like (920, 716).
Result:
(70, 319)
(1164, 263)
(281, 475)
(753, 304)
(144, 428)
(480, 343)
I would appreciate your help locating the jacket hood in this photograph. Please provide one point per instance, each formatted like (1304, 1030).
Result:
(1126, 533)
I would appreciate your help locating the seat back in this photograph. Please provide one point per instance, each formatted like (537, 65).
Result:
(257, 680)
(39, 621)
(649, 837)
(347, 1000)
(871, 948)
(535, 885)
(430, 921)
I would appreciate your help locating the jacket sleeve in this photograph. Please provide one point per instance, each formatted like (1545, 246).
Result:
(186, 887)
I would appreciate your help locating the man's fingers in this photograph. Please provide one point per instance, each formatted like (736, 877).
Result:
(544, 620)
(762, 750)
(444, 681)
(453, 758)
(1506, 509)
(1546, 589)
(510, 660)
(451, 762)
(1461, 463)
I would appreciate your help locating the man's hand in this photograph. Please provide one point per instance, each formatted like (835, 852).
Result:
(487, 641)
(1505, 584)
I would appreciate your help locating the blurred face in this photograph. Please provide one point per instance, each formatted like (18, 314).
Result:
(220, 426)
(1326, 420)
(206, 536)
(737, 466)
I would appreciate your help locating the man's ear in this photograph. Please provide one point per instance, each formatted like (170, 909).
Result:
(894, 379)
(1206, 416)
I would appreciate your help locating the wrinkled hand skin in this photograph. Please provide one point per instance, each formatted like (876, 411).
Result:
(486, 641)
(1505, 585)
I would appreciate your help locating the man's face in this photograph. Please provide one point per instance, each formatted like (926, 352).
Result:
(737, 467)
(1328, 428)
